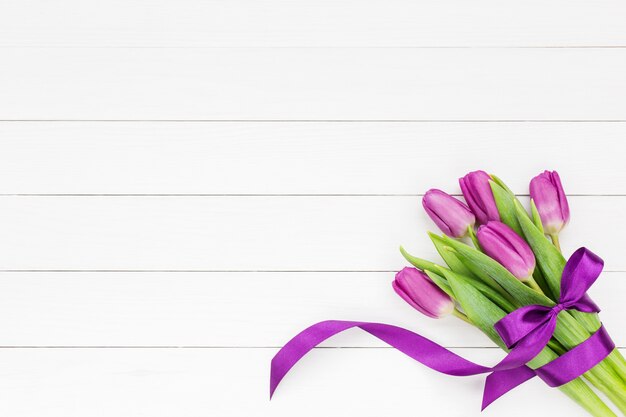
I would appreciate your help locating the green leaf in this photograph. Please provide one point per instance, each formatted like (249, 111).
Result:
(505, 201)
(489, 270)
(435, 272)
(479, 310)
(472, 235)
(501, 184)
(419, 263)
(489, 292)
(541, 281)
(549, 259)
(535, 216)
(493, 295)
(449, 257)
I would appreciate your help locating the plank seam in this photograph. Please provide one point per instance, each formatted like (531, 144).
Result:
(256, 195)
(223, 271)
(238, 347)
(313, 120)
(331, 47)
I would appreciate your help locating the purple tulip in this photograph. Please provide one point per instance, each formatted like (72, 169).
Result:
(421, 293)
(449, 214)
(547, 193)
(501, 243)
(479, 197)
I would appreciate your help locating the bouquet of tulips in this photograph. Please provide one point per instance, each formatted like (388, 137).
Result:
(498, 259)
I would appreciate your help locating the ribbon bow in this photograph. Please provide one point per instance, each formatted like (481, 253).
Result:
(526, 331)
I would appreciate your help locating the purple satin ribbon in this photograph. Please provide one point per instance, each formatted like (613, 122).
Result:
(526, 331)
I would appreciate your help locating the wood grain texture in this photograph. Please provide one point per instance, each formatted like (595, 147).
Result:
(303, 158)
(317, 84)
(220, 309)
(275, 23)
(294, 233)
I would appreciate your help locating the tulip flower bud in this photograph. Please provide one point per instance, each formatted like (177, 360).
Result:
(477, 192)
(449, 214)
(421, 293)
(501, 243)
(547, 193)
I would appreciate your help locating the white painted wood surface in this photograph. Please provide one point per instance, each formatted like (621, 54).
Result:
(319, 157)
(185, 185)
(329, 382)
(313, 83)
(249, 233)
(213, 309)
(307, 23)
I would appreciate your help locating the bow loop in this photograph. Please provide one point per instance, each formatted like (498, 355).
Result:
(581, 270)
(586, 305)
(515, 326)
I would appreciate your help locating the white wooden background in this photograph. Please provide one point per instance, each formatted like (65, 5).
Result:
(186, 184)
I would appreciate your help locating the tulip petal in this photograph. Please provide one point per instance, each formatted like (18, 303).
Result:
(421, 293)
(477, 192)
(547, 192)
(556, 181)
(408, 299)
(504, 245)
(449, 214)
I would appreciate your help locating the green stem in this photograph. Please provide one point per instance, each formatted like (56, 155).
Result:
(615, 359)
(591, 322)
(571, 333)
(533, 284)
(619, 363)
(555, 241)
(577, 389)
(619, 401)
(540, 279)
(472, 235)
(462, 316)
(582, 395)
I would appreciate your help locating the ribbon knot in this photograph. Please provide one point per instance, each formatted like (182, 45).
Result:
(558, 308)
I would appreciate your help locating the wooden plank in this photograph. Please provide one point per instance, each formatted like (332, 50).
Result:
(314, 83)
(302, 158)
(201, 382)
(249, 233)
(274, 23)
(227, 309)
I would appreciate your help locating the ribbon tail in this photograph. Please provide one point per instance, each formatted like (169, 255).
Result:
(499, 383)
(411, 344)
(300, 345)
